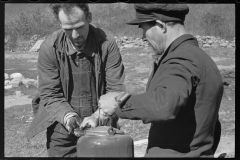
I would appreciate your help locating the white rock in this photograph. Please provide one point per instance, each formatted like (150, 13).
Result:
(18, 93)
(206, 45)
(7, 82)
(197, 36)
(128, 45)
(16, 82)
(8, 87)
(210, 42)
(16, 75)
(28, 82)
(223, 44)
(6, 76)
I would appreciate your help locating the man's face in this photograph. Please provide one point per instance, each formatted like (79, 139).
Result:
(75, 25)
(155, 37)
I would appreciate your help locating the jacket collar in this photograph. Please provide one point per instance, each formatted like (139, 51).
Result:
(64, 45)
(177, 42)
(180, 40)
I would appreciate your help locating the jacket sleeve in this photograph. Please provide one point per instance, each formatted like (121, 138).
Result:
(114, 69)
(173, 85)
(50, 88)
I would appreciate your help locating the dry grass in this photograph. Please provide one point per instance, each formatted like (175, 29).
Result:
(24, 21)
(16, 144)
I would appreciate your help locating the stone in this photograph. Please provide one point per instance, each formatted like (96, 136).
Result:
(29, 82)
(7, 82)
(206, 45)
(128, 45)
(6, 76)
(210, 42)
(223, 44)
(16, 76)
(205, 42)
(16, 82)
(197, 36)
(36, 46)
(18, 93)
(8, 87)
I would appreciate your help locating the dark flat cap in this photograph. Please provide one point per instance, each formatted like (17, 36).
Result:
(164, 12)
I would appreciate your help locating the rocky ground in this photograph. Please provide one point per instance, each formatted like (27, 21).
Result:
(140, 70)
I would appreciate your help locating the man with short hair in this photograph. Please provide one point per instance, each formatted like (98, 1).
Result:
(183, 92)
(76, 65)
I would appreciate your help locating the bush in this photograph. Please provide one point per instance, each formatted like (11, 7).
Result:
(29, 23)
(203, 19)
(221, 16)
(213, 24)
(114, 19)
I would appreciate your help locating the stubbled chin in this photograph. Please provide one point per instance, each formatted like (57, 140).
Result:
(78, 44)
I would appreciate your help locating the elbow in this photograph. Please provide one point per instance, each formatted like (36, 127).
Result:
(165, 114)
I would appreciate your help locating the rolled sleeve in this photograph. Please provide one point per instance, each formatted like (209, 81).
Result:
(50, 87)
(114, 68)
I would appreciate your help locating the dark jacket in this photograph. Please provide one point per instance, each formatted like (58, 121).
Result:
(181, 102)
(53, 70)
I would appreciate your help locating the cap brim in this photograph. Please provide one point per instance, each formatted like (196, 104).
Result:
(137, 21)
(134, 22)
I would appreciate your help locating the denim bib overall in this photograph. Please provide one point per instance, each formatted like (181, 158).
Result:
(83, 99)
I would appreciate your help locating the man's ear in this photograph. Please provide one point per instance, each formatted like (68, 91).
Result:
(89, 17)
(162, 25)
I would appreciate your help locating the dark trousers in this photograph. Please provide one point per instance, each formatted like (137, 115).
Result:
(217, 136)
(59, 142)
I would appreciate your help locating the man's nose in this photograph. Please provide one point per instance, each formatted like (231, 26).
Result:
(74, 34)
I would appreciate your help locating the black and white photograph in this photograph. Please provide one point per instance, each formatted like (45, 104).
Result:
(123, 80)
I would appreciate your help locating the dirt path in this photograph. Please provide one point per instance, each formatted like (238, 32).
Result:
(226, 145)
(14, 100)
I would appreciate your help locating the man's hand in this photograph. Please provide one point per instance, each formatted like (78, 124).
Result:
(91, 121)
(94, 119)
(108, 103)
(72, 121)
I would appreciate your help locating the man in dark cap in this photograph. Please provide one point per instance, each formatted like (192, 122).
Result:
(183, 92)
(76, 65)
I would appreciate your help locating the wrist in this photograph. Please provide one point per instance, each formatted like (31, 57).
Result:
(67, 116)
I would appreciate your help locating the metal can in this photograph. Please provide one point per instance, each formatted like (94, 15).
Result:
(105, 141)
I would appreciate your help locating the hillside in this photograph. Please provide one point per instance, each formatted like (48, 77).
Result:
(22, 21)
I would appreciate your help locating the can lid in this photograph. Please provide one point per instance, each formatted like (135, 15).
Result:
(103, 131)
